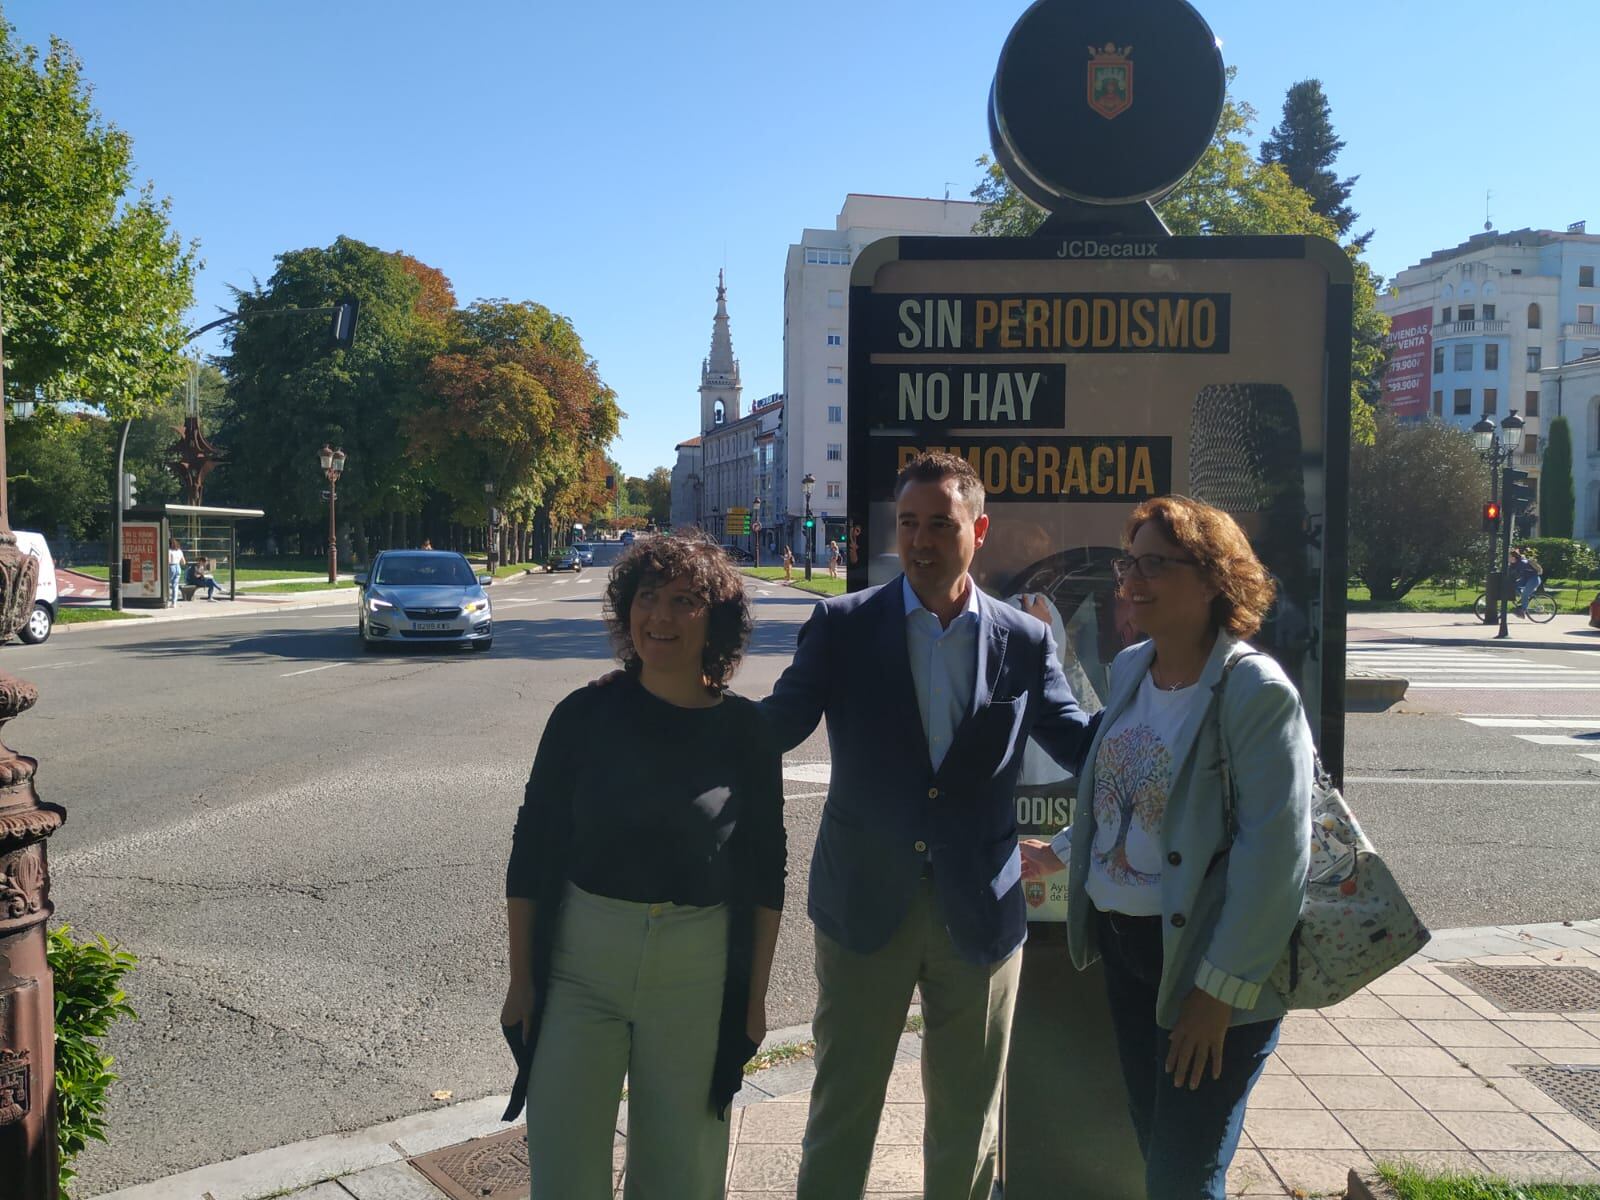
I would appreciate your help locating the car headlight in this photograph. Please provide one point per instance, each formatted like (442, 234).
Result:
(378, 602)
(477, 606)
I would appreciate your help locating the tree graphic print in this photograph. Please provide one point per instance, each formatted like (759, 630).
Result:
(1130, 785)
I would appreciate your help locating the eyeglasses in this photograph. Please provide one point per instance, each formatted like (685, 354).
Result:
(1150, 566)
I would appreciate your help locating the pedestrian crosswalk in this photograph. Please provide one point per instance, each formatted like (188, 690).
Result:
(1581, 734)
(1438, 668)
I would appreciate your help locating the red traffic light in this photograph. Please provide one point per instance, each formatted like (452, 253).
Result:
(1491, 511)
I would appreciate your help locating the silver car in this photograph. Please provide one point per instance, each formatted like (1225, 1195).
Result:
(423, 597)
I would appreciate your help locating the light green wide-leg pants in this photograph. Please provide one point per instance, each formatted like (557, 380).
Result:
(635, 992)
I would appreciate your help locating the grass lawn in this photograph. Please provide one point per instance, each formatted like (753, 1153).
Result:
(1410, 1183)
(246, 574)
(820, 584)
(73, 615)
(318, 585)
(1573, 594)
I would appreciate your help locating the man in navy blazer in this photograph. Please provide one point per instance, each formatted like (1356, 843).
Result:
(931, 689)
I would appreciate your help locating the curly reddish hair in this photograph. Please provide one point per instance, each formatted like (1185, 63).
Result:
(704, 564)
(1213, 538)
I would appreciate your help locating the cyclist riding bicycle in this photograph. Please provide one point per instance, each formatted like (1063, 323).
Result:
(1526, 576)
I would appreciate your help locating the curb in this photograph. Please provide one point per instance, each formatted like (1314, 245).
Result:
(1374, 692)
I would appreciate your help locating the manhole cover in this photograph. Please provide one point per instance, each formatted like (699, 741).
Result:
(1576, 1089)
(484, 1169)
(1533, 989)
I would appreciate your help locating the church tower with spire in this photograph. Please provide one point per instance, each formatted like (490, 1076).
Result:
(719, 374)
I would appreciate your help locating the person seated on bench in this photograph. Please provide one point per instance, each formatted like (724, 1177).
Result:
(200, 577)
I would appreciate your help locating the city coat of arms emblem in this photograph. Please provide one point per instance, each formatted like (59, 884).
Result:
(1110, 80)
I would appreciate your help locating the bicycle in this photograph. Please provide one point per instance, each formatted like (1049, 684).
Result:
(1542, 606)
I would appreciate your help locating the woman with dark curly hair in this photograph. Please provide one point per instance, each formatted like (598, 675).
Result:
(644, 890)
(1188, 914)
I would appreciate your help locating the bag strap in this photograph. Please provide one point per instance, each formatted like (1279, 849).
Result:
(1230, 816)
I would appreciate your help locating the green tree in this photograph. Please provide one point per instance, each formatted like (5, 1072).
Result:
(1229, 192)
(289, 392)
(515, 399)
(58, 467)
(1305, 146)
(1557, 500)
(658, 495)
(1416, 497)
(93, 281)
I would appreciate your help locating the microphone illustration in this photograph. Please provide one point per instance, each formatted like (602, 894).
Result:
(1245, 457)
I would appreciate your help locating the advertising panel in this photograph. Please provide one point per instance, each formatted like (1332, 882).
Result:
(144, 561)
(1080, 377)
(1405, 383)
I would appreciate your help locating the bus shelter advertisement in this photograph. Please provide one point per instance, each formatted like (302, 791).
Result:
(1080, 384)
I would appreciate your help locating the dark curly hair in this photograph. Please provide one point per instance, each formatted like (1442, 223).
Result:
(1227, 561)
(663, 558)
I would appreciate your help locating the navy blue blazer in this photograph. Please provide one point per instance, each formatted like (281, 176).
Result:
(888, 810)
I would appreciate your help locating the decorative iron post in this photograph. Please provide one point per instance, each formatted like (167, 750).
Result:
(29, 1157)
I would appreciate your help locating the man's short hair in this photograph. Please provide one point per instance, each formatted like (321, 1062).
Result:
(935, 467)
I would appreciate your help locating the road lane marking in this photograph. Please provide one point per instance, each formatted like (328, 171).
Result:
(1533, 722)
(309, 670)
(811, 772)
(57, 666)
(1500, 783)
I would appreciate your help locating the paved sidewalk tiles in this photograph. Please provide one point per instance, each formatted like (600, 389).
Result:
(1417, 1067)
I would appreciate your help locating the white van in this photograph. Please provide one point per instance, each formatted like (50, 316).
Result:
(42, 619)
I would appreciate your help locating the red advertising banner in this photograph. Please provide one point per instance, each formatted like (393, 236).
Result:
(1405, 383)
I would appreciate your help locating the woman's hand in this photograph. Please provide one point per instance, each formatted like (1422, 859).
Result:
(1038, 860)
(755, 1020)
(518, 1008)
(1197, 1038)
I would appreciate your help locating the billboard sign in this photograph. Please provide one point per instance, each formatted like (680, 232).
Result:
(1081, 376)
(144, 561)
(1410, 344)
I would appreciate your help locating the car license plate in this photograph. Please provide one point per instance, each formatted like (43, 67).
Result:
(432, 627)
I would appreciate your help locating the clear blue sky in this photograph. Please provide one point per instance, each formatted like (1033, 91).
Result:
(606, 159)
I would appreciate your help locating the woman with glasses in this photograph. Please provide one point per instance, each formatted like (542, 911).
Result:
(1188, 915)
(644, 891)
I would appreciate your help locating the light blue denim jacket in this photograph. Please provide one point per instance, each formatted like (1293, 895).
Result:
(1222, 930)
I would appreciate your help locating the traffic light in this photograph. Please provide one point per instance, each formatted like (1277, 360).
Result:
(343, 330)
(811, 522)
(130, 492)
(746, 519)
(1518, 490)
(1491, 516)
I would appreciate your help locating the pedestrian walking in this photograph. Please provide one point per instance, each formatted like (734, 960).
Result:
(175, 565)
(1189, 910)
(644, 891)
(788, 564)
(930, 689)
(833, 560)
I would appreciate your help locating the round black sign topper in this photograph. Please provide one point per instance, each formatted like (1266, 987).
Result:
(1106, 102)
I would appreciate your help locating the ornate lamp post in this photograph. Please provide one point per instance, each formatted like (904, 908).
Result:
(332, 467)
(809, 527)
(1497, 452)
(29, 1158)
(755, 532)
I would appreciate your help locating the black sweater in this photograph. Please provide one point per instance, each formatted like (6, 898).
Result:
(633, 798)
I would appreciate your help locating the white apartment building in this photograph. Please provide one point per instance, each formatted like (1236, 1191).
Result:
(1487, 319)
(816, 336)
(1573, 390)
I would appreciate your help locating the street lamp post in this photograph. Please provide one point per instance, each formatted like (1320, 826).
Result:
(1497, 452)
(489, 526)
(332, 467)
(755, 532)
(808, 527)
(716, 523)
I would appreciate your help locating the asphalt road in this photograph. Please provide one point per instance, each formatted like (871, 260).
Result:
(305, 846)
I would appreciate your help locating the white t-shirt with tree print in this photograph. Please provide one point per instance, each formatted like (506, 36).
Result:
(1132, 778)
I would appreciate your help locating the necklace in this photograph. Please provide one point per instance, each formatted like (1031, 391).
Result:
(1170, 687)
